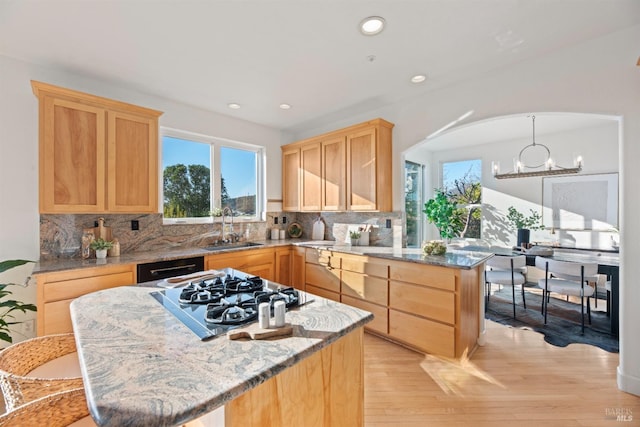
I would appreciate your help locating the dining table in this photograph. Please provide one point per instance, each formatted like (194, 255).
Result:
(608, 264)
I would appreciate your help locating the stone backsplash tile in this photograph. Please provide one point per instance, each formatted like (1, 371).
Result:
(61, 235)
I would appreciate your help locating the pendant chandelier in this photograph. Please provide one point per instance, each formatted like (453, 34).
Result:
(546, 168)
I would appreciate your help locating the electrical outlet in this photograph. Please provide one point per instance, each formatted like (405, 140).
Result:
(275, 220)
(29, 326)
(284, 219)
(388, 223)
(135, 224)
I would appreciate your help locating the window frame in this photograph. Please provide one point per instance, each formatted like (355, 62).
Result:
(216, 143)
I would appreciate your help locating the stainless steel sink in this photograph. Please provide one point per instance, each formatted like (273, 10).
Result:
(226, 246)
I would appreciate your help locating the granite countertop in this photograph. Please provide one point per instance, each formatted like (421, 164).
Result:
(141, 366)
(455, 259)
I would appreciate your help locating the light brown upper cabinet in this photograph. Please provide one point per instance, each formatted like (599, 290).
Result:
(345, 170)
(97, 155)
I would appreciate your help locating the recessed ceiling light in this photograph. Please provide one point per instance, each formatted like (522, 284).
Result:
(418, 78)
(285, 106)
(233, 106)
(372, 25)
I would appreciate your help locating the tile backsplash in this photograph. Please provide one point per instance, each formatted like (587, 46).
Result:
(61, 235)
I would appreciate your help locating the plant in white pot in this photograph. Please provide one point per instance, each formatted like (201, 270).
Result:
(524, 224)
(101, 246)
(8, 306)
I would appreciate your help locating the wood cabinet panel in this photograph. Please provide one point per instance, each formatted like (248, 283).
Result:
(57, 289)
(347, 169)
(333, 174)
(57, 318)
(132, 163)
(322, 277)
(361, 171)
(72, 166)
(283, 260)
(426, 335)
(310, 161)
(298, 263)
(426, 302)
(336, 376)
(96, 155)
(321, 292)
(370, 288)
(364, 264)
(259, 262)
(380, 322)
(291, 179)
(322, 257)
(428, 275)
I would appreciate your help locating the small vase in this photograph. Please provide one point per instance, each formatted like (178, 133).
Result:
(101, 253)
(523, 236)
(354, 242)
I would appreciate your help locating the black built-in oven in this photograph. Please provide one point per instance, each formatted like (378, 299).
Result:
(159, 270)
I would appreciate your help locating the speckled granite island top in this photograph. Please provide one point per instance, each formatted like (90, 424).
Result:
(141, 366)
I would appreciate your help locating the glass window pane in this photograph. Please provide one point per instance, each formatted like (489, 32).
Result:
(186, 171)
(239, 183)
(462, 183)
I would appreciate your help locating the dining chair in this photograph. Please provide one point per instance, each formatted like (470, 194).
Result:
(567, 278)
(507, 271)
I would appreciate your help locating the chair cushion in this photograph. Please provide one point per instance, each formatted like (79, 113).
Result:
(565, 287)
(503, 277)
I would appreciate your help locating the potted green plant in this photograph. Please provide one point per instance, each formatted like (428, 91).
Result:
(355, 236)
(445, 215)
(101, 246)
(524, 223)
(9, 306)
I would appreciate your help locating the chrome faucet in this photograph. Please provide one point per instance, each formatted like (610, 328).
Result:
(234, 236)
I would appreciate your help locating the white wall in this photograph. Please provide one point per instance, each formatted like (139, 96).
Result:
(598, 146)
(598, 77)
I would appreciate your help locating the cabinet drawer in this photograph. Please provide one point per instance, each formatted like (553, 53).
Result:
(361, 264)
(322, 277)
(334, 296)
(422, 334)
(69, 289)
(240, 260)
(322, 257)
(428, 275)
(370, 288)
(425, 302)
(380, 322)
(57, 317)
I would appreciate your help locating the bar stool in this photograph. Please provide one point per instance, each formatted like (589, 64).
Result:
(67, 408)
(35, 368)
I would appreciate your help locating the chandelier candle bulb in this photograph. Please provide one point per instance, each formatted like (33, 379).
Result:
(495, 167)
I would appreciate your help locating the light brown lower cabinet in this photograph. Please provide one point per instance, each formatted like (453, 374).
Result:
(259, 262)
(428, 308)
(57, 289)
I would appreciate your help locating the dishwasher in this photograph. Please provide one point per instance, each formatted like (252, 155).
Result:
(159, 270)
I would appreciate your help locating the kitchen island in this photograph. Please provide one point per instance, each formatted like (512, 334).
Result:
(143, 367)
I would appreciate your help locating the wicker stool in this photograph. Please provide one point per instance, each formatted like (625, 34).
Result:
(55, 410)
(18, 360)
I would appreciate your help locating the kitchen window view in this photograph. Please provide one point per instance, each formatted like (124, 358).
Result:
(201, 176)
(461, 182)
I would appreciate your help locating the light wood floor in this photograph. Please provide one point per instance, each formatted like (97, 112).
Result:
(516, 379)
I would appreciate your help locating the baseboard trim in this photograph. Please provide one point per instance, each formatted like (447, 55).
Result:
(627, 383)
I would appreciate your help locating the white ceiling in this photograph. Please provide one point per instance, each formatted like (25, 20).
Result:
(308, 53)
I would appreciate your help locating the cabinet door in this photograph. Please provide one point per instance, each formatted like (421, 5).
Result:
(72, 157)
(298, 268)
(283, 266)
(333, 174)
(132, 163)
(291, 180)
(361, 171)
(310, 160)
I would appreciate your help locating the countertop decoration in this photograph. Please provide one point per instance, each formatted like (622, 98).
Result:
(294, 230)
